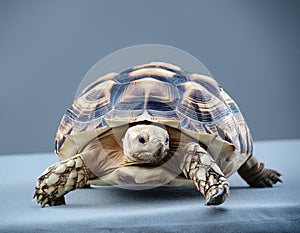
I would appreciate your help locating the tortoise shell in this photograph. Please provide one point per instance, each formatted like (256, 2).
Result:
(161, 93)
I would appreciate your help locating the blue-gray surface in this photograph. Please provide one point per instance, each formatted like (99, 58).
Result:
(164, 209)
(250, 47)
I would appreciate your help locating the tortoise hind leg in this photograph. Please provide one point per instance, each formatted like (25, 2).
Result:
(256, 175)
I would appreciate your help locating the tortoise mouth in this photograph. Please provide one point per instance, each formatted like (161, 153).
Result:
(143, 164)
(147, 159)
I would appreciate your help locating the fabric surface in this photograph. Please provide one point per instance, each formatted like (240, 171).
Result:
(163, 209)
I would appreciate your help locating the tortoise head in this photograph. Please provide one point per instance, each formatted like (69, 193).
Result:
(147, 144)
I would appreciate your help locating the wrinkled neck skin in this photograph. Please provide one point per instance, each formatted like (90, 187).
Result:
(145, 144)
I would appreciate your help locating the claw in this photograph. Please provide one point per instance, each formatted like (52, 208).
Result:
(219, 197)
(276, 178)
(43, 204)
(268, 183)
(40, 198)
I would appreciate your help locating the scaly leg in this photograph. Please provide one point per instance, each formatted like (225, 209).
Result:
(256, 175)
(199, 166)
(59, 179)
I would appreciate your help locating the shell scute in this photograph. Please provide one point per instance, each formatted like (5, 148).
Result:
(156, 92)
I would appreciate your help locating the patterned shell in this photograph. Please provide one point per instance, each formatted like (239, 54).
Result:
(155, 92)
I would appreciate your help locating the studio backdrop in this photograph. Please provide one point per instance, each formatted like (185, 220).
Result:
(46, 47)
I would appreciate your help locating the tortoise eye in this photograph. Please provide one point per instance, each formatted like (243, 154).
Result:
(167, 140)
(141, 139)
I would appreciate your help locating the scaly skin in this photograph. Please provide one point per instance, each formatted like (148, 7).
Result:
(256, 175)
(199, 166)
(59, 179)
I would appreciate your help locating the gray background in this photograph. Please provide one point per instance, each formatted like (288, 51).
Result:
(46, 47)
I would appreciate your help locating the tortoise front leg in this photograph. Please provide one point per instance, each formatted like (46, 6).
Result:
(59, 179)
(199, 166)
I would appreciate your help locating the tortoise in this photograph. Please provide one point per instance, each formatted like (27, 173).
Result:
(153, 124)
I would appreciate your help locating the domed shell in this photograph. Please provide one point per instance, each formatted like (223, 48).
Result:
(155, 92)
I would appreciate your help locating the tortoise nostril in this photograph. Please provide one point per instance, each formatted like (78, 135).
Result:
(157, 154)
